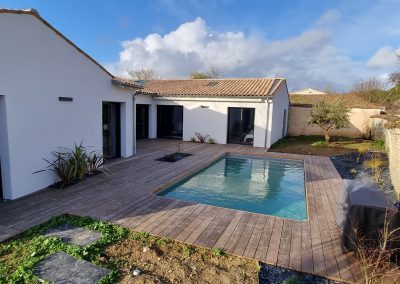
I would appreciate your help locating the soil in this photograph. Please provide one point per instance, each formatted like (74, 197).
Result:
(174, 262)
(304, 148)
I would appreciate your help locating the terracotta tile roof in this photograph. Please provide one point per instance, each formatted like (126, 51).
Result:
(245, 87)
(351, 100)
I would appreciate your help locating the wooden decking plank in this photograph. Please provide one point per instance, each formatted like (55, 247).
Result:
(284, 246)
(255, 237)
(295, 247)
(307, 263)
(223, 239)
(273, 247)
(234, 238)
(246, 235)
(262, 248)
(224, 222)
(203, 237)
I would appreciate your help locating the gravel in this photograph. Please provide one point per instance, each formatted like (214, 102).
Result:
(349, 168)
(270, 274)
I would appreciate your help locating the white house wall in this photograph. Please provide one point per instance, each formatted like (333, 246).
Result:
(280, 103)
(37, 67)
(209, 116)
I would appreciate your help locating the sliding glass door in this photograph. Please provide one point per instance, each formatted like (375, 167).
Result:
(169, 122)
(241, 125)
(111, 130)
(142, 121)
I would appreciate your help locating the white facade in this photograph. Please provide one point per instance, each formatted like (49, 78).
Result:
(210, 115)
(37, 67)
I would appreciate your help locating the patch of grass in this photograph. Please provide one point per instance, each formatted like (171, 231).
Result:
(281, 143)
(162, 241)
(218, 252)
(378, 145)
(19, 256)
(319, 144)
(187, 251)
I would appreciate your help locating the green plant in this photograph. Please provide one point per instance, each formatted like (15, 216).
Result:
(292, 280)
(19, 256)
(218, 252)
(330, 116)
(375, 163)
(212, 141)
(361, 152)
(201, 138)
(72, 165)
(162, 241)
(193, 139)
(187, 251)
(378, 145)
(319, 144)
(281, 143)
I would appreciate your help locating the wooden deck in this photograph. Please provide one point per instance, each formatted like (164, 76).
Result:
(125, 197)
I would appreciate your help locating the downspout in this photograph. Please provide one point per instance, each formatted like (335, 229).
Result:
(267, 122)
(134, 121)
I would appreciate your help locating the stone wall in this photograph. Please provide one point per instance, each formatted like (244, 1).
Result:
(359, 123)
(392, 144)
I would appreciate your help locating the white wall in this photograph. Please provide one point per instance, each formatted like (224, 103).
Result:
(212, 118)
(280, 103)
(37, 67)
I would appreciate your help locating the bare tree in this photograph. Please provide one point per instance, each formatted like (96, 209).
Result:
(370, 89)
(394, 77)
(213, 73)
(143, 74)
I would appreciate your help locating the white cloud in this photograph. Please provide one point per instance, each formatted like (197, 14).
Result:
(306, 60)
(385, 57)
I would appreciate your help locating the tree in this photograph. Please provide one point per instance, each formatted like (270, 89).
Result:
(329, 116)
(199, 75)
(371, 90)
(213, 73)
(394, 77)
(143, 74)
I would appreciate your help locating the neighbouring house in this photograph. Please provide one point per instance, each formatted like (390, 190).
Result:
(241, 111)
(308, 91)
(360, 115)
(52, 94)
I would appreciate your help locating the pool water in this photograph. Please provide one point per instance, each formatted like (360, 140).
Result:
(261, 185)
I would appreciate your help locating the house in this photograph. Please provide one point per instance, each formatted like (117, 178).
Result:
(308, 91)
(242, 111)
(53, 94)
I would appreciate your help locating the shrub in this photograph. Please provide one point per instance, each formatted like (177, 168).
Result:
(212, 141)
(201, 138)
(72, 165)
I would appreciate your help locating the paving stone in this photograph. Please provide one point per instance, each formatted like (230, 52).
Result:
(74, 235)
(60, 268)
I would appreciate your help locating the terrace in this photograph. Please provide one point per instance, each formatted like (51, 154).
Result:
(125, 196)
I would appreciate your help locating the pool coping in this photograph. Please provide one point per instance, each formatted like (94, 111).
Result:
(202, 166)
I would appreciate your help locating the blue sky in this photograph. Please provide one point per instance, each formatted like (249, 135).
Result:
(312, 43)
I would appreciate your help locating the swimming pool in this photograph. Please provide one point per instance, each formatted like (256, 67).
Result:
(256, 184)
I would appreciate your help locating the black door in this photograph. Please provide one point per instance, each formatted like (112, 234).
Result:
(111, 130)
(142, 121)
(170, 122)
(1, 185)
(241, 125)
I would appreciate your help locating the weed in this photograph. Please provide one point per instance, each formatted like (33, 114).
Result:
(375, 163)
(218, 252)
(201, 138)
(162, 241)
(25, 251)
(281, 143)
(361, 152)
(212, 140)
(378, 145)
(292, 280)
(193, 139)
(319, 144)
(187, 251)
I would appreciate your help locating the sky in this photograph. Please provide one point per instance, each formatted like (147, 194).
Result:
(322, 44)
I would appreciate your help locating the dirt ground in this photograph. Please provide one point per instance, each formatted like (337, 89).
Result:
(165, 261)
(306, 145)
